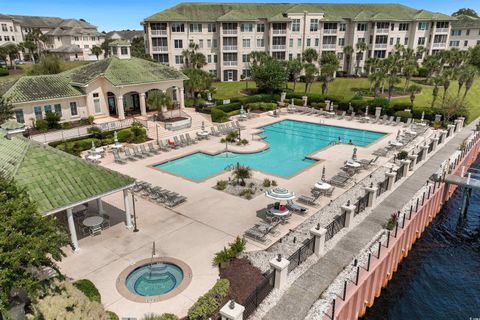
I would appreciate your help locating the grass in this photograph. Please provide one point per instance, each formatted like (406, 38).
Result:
(346, 87)
(25, 68)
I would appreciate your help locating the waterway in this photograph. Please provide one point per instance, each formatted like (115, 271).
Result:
(440, 278)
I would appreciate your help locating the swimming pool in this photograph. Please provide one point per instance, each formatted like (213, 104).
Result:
(290, 143)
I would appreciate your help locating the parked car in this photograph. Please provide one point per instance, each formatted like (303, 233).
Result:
(3, 63)
(18, 61)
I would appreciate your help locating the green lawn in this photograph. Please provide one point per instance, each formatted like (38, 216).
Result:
(346, 87)
(25, 68)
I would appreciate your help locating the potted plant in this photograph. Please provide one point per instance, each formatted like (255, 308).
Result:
(222, 258)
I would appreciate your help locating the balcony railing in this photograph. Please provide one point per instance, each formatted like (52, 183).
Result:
(380, 45)
(159, 32)
(230, 48)
(230, 31)
(279, 31)
(159, 48)
(439, 45)
(441, 30)
(382, 30)
(278, 47)
(330, 31)
(230, 63)
(329, 46)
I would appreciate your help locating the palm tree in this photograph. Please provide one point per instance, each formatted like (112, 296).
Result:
(413, 90)
(97, 51)
(361, 48)
(310, 55)
(258, 57)
(436, 81)
(392, 80)
(446, 77)
(469, 82)
(35, 41)
(420, 52)
(241, 173)
(464, 74)
(348, 51)
(9, 50)
(294, 68)
(408, 71)
(188, 54)
(159, 100)
(328, 66)
(379, 78)
(310, 72)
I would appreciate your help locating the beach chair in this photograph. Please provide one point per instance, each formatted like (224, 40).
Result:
(255, 234)
(144, 151)
(177, 142)
(164, 147)
(129, 155)
(152, 149)
(137, 153)
(239, 126)
(189, 139)
(183, 140)
(117, 158)
(214, 132)
(311, 201)
(329, 192)
(296, 207)
(342, 115)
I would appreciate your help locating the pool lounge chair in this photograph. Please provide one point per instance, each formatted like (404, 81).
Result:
(342, 115)
(183, 140)
(214, 132)
(339, 180)
(257, 235)
(189, 139)
(117, 158)
(164, 147)
(329, 192)
(296, 207)
(144, 151)
(311, 201)
(152, 149)
(137, 153)
(177, 142)
(175, 200)
(129, 155)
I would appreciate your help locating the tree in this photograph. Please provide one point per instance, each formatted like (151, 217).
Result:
(469, 82)
(198, 81)
(311, 72)
(413, 90)
(361, 48)
(436, 81)
(474, 56)
(348, 51)
(28, 242)
(328, 66)
(392, 80)
(9, 50)
(310, 55)
(446, 77)
(97, 51)
(105, 47)
(241, 173)
(454, 106)
(270, 75)
(294, 68)
(159, 100)
(137, 48)
(35, 41)
(409, 71)
(6, 110)
(465, 11)
(49, 64)
(258, 57)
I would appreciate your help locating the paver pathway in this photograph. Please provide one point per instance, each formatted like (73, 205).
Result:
(306, 290)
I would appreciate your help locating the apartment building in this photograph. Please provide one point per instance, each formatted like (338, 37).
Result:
(228, 33)
(465, 32)
(70, 38)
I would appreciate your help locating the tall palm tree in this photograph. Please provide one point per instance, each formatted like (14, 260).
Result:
(469, 82)
(310, 73)
(189, 53)
(328, 66)
(241, 173)
(35, 41)
(159, 100)
(463, 75)
(392, 80)
(446, 77)
(348, 51)
(310, 55)
(97, 51)
(408, 71)
(294, 68)
(436, 81)
(361, 48)
(413, 90)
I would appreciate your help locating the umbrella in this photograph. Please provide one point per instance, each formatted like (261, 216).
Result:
(323, 174)
(354, 155)
(203, 126)
(241, 109)
(293, 101)
(398, 135)
(115, 137)
(366, 111)
(280, 194)
(93, 146)
(423, 115)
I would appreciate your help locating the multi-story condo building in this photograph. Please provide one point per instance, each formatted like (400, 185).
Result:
(72, 39)
(465, 32)
(228, 33)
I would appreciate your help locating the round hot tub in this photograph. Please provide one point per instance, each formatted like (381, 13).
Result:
(152, 280)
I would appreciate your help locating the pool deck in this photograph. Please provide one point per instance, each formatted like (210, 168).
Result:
(195, 230)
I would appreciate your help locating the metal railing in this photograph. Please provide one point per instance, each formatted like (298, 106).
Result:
(299, 256)
(158, 32)
(259, 294)
(278, 47)
(230, 48)
(279, 31)
(361, 204)
(382, 187)
(329, 45)
(439, 45)
(330, 31)
(441, 30)
(399, 174)
(230, 31)
(159, 48)
(380, 45)
(335, 226)
(382, 30)
(230, 63)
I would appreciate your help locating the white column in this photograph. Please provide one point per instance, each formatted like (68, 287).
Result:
(319, 235)
(232, 311)
(372, 195)
(181, 97)
(71, 227)
(128, 216)
(391, 179)
(100, 206)
(280, 267)
(451, 128)
(120, 109)
(424, 153)
(143, 107)
(435, 143)
(406, 167)
(349, 210)
(413, 159)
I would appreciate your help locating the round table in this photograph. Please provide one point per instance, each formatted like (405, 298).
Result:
(94, 157)
(321, 185)
(93, 221)
(279, 213)
(116, 146)
(411, 132)
(423, 124)
(396, 143)
(203, 134)
(353, 164)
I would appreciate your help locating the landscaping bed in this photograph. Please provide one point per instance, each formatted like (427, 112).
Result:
(253, 187)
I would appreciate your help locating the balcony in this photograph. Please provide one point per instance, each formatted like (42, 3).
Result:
(380, 45)
(330, 31)
(230, 31)
(329, 46)
(230, 63)
(230, 48)
(439, 45)
(279, 47)
(279, 31)
(441, 30)
(158, 32)
(159, 48)
(382, 30)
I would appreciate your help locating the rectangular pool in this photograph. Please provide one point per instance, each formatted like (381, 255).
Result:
(290, 143)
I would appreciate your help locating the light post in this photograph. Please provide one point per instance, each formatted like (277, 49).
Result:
(135, 229)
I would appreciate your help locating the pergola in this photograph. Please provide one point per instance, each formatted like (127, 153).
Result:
(57, 181)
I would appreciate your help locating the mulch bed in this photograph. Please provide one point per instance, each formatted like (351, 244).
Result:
(174, 119)
(243, 277)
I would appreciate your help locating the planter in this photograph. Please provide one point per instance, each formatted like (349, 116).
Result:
(179, 124)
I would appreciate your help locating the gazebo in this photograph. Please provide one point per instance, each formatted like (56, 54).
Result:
(58, 181)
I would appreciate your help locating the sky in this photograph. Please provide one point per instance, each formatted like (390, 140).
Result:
(127, 14)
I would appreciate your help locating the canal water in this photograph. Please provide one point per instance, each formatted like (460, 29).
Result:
(440, 278)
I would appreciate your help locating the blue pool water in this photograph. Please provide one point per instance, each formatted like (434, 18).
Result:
(154, 280)
(290, 142)
(439, 279)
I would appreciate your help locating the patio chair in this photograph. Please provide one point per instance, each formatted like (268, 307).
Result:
(144, 151)
(164, 147)
(397, 121)
(177, 142)
(137, 153)
(152, 149)
(257, 235)
(408, 123)
(296, 207)
(189, 139)
(117, 159)
(95, 231)
(183, 140)
(329, 192)
(175, 200)
(342, 115)
(311, 201)
(239, 126)
(129, 155)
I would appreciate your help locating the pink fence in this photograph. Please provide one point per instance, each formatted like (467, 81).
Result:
(370, 279)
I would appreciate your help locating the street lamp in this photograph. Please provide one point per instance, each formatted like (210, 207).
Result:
(135, 229)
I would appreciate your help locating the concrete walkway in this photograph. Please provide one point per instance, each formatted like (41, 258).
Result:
(306, 290)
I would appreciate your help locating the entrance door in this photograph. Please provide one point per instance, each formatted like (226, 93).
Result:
(112, 106)
(136, 102)
(229, 75)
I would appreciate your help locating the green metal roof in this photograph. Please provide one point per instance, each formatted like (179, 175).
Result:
(272, 11)
(119, 43)
(52, 178)
(464, 21)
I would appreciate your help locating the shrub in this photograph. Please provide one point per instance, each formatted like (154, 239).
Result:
(66, 125)
(403, 114)
(274, 183)
(222, 184)
(209, 303)
(229, 107)
(359, 105)
(401, 106)
(264, 106)
(223, 256)
(124, 135)
(423, 72)
(88, 289)
(392, 221)
(139, 133)
(402, 155)
(335, 98)
(84, 121)
(266, 183)
(96, 132)
(318, 105)
(90, 120)
(41, 125)
(380, 102)
(189, 102)
(218, 115)
(163, 316)
(112, 315)
(238, 245)
(247, 193)
(53, 120)
(4, 72)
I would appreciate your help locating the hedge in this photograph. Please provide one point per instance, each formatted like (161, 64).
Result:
(112, 315)
(88, 289)
(218, 115)
(403, 114)
(263, 106)
(163, 316)
(209, 303)
(4, 72)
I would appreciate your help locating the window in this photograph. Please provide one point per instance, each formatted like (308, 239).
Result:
(313, 25)
(86, 46)
(341, 42)
(38, 112)
(468, 32)
(455, 43)
(299, 42)
(361, 40)
(290, 43)
(405, 41)
(214, 43)
(456, 32)
(178, 27)
(209, 43)
(403, 27)
(421, 41)
(96, 104)
(392, 26)
(212, 27)
(246, 43)
(260, 43)
(260, 27)
(465, 43)
(215, 59)
(6, 38)
(362, 27)
(440, 38)
(124, 51)
(383, 25)
(308, 42)
(4, 27)
(209, 58)
(195, 27)
(423, 26)
(75, 38)
(85, 38)
(48, 108)
(178, 44)
(371, 39)
(317, 42)
(398, 41)
(58, 109)
(19, 116)
(246, 73)
(245, 58)
(379, 54)
(178, 59)
(391, 41)
(381, 39)
(246, 27)
(295, 25)
(442, 24)
(73, 109)
(200, 44)
(342, 27)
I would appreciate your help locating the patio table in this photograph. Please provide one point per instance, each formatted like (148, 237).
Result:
(353, 164)
(116, 146)
(93, 221)
(94, 157)
(279, 213)
(203, 134)
(321, 185)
